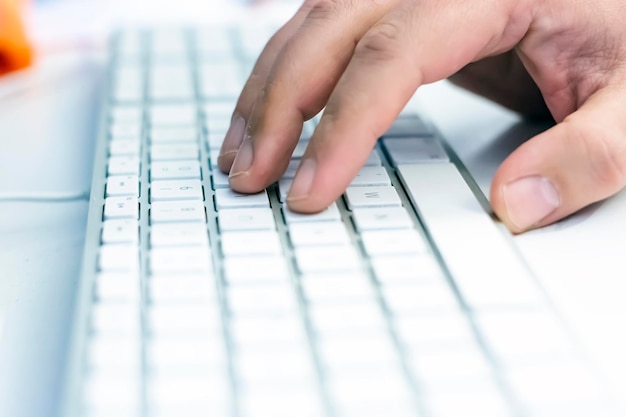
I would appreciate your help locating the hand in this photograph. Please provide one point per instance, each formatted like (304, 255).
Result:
(364, 59)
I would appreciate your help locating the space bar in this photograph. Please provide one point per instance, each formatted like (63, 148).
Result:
(482, 262)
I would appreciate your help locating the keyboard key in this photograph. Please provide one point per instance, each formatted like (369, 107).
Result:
(167, 320)
(179, 234)
(358, 197)
(371, 176)
(229, 199)
(255, 270)
(121, 208)
(394, 242)
(165, 352)
(246, 219)
(172, 114)
(349, 354)
(426, 298)
(284, 185)
(177, 211)
(183, 288)
(408, 126)
(121, 186)
(373, 160)
(176, 190)
(318, 234)
(292, 168)
(173, 134)
(125, 132)
(448, 364)
(117, 287)
(331, 320)
(166, 260)
(259, 299)
(219, 179)
(454, 217)
(274, 330)
(275, 365)
(337, 288)
(327, 259)
(120, 231)
(421, 332)
(123, 147)
(118, 258)
(126, 115)
(331, 214)
(251, 243)
(382, 218)
(173, 152)
(415, 150)
(117, 319)
(398, 270)
(209, 392)
(175, 170)
(123, 165)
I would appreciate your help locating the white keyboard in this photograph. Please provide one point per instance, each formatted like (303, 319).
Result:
(404, 298)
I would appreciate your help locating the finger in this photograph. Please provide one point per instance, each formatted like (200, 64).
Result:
(578, 162)
(302, 78)
(409, 47)
(256, 80)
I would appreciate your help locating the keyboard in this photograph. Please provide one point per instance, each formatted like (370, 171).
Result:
(404, 298)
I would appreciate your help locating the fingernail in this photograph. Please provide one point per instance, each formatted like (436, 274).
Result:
(243, 160)
(304, 180)
(530, 200)
(234, 135)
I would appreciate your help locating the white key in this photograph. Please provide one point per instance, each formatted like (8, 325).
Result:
(373, 160)
(219, 109)
(172, 319)
(176, 190)
(478, 400)
(210, 392)
(389, 387)
(252, 270)
(117, 287)
(115, 393)
(382, 218)
(119, 186)
(393, 242)
(121, 208)
(194, 351)
(167, 260)
(352, 354)
(281, 399)
(126, 114)
(123, 147)
(177, 211)
(123, 165)
(251, 243)
(127, 132)
(318, 234)
(227, 199)
(436, 297)
(392, 270)
(327, 259)
(214, 156)
(257, 299)
(179, 234)
(341, 318)
(298, 152)
(246, 219)
(275, 365)
(120, 231)
(117, 319)
(406, 126)
(423, 333)
(455, 219)
(371, 176)
(284, 185)
(173, 152)
(270, 330)
(172, 114)
(358, 197)
(217, 124)
(415, 150)
(185, 288)
(118, 258)
(331, 214)
(337, 288)
(220, 180)
(175, 170)
(170, 134)
(215, 140)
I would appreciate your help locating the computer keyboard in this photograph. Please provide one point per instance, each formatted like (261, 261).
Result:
(404, 298)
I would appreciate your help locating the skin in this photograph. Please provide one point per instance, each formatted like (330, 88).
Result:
(363, 60)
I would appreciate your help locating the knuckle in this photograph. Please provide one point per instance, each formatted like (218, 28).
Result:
(605, 149)
(323, 9)
(381, 43)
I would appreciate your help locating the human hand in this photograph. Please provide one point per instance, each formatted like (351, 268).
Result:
(363, 60)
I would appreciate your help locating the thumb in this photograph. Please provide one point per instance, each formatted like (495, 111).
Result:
(576, 163)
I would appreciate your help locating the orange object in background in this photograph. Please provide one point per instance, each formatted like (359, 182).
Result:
(15, 52)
